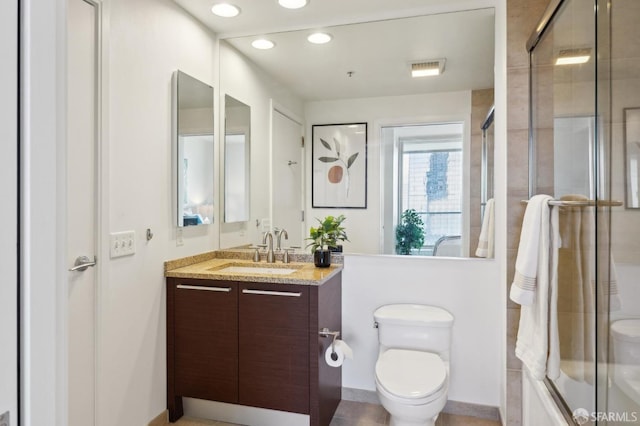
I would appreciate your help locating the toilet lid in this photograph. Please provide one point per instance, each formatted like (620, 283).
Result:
(627, 329)
(410, 374)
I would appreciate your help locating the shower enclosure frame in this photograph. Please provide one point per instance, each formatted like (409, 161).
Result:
(600, 170)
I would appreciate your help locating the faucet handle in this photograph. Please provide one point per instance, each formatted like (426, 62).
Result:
(256, 254)
(285, 257)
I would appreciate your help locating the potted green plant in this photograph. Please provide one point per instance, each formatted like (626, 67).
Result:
(410, 232)
(325, 236)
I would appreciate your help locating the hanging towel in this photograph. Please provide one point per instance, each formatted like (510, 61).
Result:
(485, 242)
(535, 231)
(534, 263)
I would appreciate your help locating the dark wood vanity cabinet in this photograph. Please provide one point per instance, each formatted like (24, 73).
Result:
(253, 344)
(274, 346)
(203, 342)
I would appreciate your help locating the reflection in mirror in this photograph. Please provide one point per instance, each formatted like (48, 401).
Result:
(193, 116)
(575, 143)
(237, 143)
(364, 75)
(425, 164)
(486, 174)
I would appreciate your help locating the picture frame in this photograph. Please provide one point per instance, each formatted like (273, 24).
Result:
(339, 166)
(632, 157)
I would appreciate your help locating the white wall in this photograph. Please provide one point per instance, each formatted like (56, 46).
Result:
(243, 80)
(364, 225)
(469, 288)
(42, 194)
(8, 214)
(148, 41)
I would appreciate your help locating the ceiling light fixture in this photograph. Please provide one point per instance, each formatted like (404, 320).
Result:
(319, 38)
(293, 4)
(573, 56)
(225, 10)
(262, 44)
(427, 68)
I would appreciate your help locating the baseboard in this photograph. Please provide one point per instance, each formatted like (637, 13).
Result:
(160, 420)
(452, 407)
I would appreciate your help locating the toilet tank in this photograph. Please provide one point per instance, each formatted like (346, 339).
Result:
(411, 326)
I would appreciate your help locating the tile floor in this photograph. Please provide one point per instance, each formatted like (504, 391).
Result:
(351, 413)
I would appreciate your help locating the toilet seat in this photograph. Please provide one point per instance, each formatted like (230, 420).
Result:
(411, 376)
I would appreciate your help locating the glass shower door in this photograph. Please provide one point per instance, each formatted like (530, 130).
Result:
(621, 401)
(570, 109)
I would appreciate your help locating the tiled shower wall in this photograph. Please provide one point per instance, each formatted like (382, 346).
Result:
(522, 17)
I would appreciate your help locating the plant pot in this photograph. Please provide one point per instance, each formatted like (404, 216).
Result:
(322, 258)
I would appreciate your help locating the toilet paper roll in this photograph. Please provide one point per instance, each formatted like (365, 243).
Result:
(335, 357)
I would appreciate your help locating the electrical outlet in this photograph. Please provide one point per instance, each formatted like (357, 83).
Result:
(122, 243)
(4, 419)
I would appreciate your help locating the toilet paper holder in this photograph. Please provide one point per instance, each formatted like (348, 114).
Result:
(325, 332)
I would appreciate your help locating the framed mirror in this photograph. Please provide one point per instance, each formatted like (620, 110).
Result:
(194, 146)
(237, 155)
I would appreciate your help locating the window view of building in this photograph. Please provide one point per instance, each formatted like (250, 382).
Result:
(430, 180)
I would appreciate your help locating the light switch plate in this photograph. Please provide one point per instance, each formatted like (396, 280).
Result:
(122, 243)
(179, 238)
(4, 419)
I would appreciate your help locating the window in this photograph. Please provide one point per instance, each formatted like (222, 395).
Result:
(430, 171)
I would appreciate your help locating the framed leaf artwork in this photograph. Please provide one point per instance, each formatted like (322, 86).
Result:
(339, 166)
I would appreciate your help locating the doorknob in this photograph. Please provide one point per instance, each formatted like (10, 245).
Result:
(82, 263)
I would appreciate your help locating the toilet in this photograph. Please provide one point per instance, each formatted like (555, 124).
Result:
(625, 335)
(412, 370)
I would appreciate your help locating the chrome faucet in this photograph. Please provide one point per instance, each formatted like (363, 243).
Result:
(279, 233)
(271, 258)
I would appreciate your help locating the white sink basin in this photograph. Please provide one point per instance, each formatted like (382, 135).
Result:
(257, 270)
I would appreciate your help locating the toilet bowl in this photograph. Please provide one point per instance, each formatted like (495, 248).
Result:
(412, 370)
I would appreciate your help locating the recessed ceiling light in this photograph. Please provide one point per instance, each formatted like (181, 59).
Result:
(573, 56)
(427, 68)
(263, 44)
(293, 4)
(319, 38)
(225, 10)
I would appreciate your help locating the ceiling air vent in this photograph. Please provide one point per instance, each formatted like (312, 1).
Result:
(427, 68)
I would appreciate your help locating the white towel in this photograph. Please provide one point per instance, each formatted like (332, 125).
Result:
(485, 242)
(536, 220)
(553, 361)
(536, 346)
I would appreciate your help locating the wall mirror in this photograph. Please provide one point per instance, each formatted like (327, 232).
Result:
(237, 155)
(363, 74)
(193, 140)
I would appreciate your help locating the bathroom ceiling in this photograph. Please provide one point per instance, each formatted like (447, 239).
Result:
(368, 39)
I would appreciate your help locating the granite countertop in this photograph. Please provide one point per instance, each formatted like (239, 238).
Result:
(215, 266)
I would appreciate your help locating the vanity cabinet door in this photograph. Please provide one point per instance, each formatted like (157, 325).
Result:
(274, 346)
(206, 339)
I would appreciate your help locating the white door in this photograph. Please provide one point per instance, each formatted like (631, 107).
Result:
(8, 212)
(287, 177)
(81, 209)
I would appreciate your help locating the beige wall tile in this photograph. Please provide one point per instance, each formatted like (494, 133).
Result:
(514, 397)
(513, 320)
